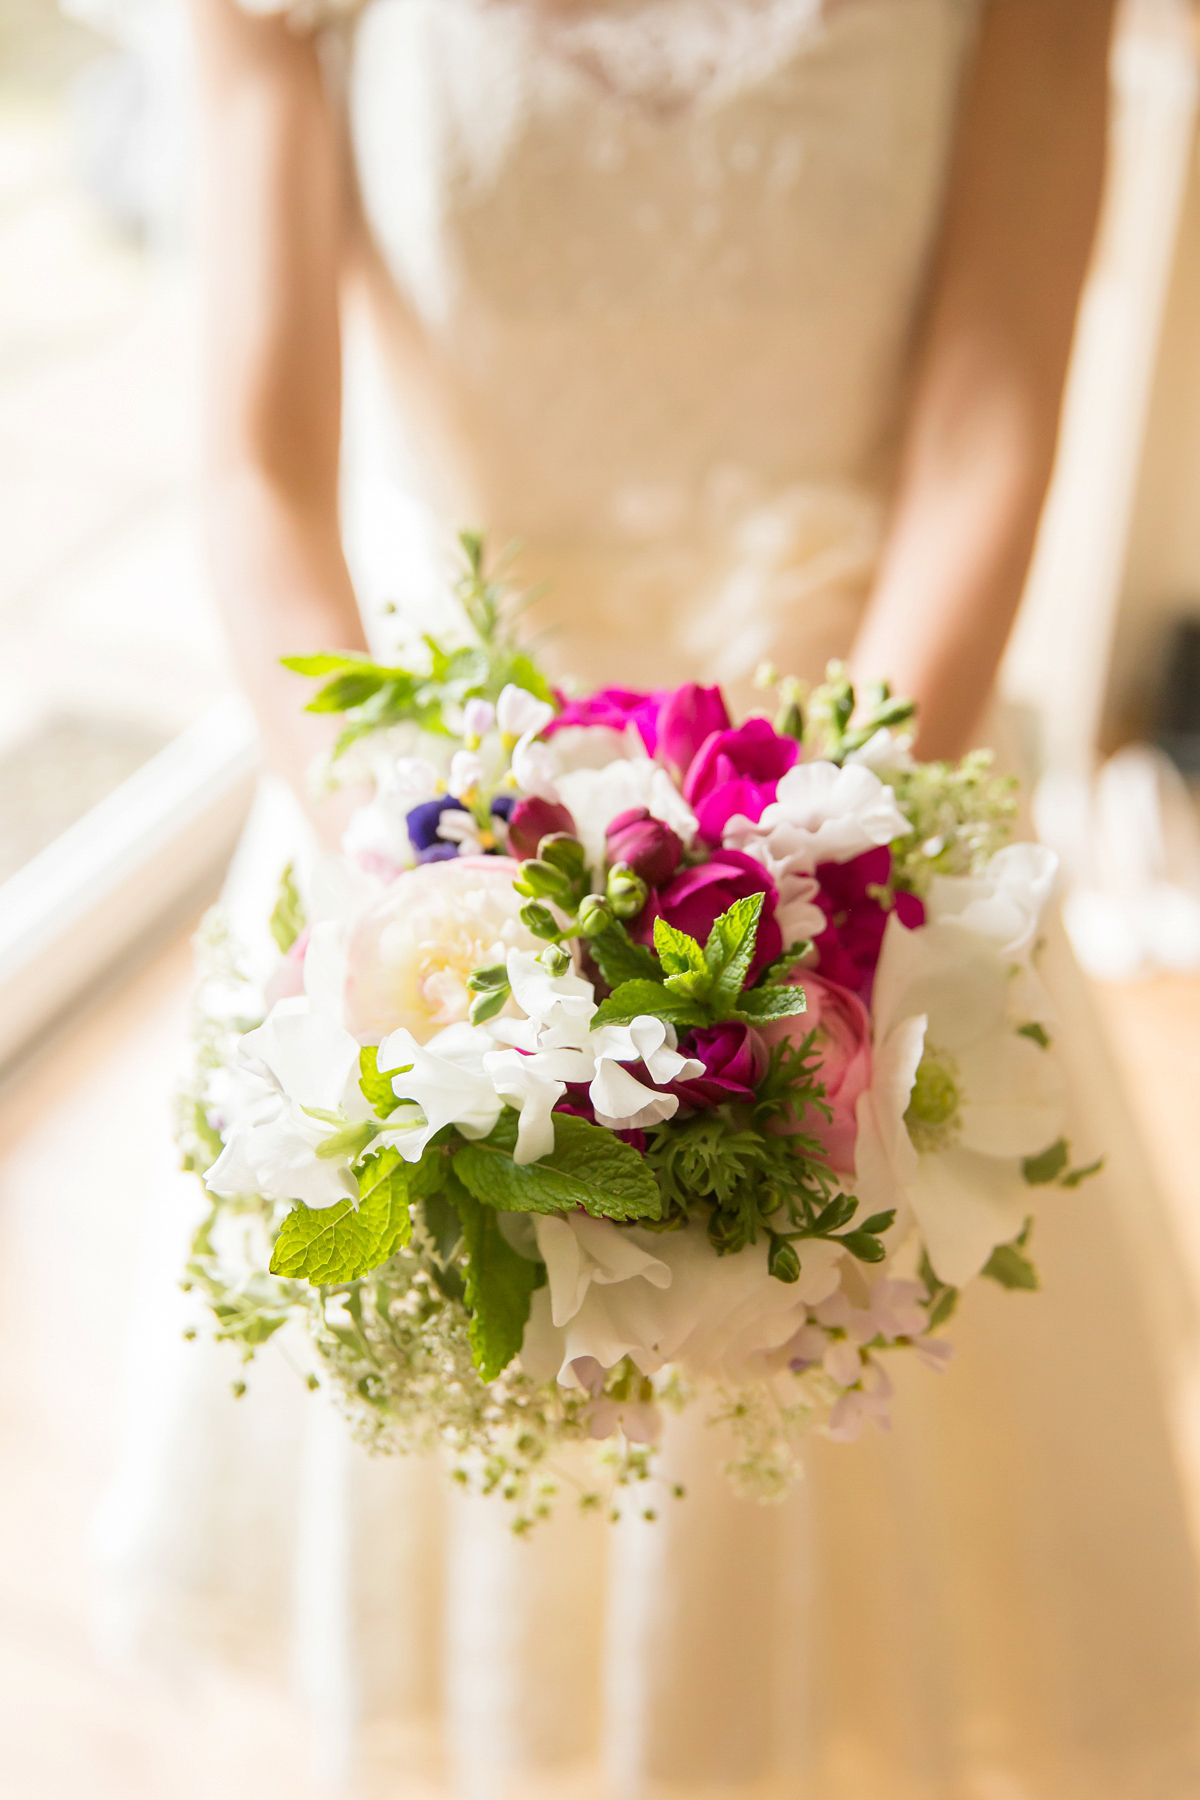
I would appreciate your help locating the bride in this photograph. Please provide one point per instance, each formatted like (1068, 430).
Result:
(750, 319)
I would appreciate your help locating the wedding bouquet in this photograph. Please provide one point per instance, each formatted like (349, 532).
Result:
(628, 1057)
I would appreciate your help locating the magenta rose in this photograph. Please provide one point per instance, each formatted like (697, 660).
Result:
(735, 1061)
(849, 947)
(686, 718)
(736, 771)
(843, 1040)
(614, 708)
(651, 848)
(697, 897)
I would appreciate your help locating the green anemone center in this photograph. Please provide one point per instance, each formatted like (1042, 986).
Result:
(933, 1108)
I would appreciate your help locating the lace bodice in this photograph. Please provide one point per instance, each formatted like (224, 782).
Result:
(651, 272)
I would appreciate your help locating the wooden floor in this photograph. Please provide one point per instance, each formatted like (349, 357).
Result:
(84, 1148)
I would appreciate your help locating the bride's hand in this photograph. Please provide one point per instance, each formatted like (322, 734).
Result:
(982, 427)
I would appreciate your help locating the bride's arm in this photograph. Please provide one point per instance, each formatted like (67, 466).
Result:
(274, 216)
(979, 445)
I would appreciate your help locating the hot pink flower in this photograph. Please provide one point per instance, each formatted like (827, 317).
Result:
(843, 1029)
(696, 898)
(734, 1059)
(685, 719)
(615, 708)
(849, 946)
(651, 848)
(531, 820)
(736, 772)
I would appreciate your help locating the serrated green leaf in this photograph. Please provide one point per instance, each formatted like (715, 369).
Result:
(677, 952)
(334, 1244)
(633, 998)
(499, 1286)
(589, 1167)
(325, 662)
(730, 947)
(1011, 1268)
(443, 1221)
(1046, 1167)
(783, 965)
(287, 915)
(763, 1005)
(376, 1088)
(619, 959)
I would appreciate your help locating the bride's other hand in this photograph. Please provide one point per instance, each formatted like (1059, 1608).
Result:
(982, 427)
(274, 217)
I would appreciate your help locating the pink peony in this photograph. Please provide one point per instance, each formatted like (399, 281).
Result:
(843, 1029)
(696, 898)
(735, 772)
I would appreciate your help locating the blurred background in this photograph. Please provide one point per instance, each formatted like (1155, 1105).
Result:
(127, 765)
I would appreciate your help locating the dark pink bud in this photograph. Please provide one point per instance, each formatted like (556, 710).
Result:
(651, 848)
(532, 820)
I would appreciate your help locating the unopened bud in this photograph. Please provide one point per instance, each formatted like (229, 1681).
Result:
(627, 892)
(595, 915)
(542, 881)
(789, 720)
(643, 843)
(484, 981)
(782, 1261)
(539, 919)
(554, 959)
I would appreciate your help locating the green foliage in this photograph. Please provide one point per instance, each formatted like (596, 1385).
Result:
(499, 1284)
(941, 1299)
(1048, 1165)
(752, 1179)
(1037, 1034)
(339, 1243)
(287, 915)
(588, 1167)
(201, 1145)
(376, 1088)
(1009, 1265)
(375, 696)
(695, 986)
(620, 960)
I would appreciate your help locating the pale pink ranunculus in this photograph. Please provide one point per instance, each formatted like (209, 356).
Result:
(413, 948)
(843, 1028)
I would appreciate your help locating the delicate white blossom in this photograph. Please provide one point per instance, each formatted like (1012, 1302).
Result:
(821, 813)
(520, 714)
(478, 718)
(302, 1118)
(595, 797)
(466, 773)
(446, 1078)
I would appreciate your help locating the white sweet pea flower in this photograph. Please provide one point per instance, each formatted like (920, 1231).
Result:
(446, 1078)
(980, 1098)
(304, 1119)
(620, 1100)
(821, 813)
(520, 714)
(660, 1297)
(533, 768)
(466, 772)
(887, 753)
(478, 718)
(533, 1085)
(461, 828)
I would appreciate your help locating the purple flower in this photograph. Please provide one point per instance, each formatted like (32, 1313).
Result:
(685, 719)
(696, 898)
(734, 1059)
(849, 946)
(651, 848)
(614, 708)
(736, 771)
(422, 824)
(529, 821)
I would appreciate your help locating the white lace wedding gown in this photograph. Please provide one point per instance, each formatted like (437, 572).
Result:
(647, 271)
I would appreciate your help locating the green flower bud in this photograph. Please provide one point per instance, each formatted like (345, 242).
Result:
(554, 959)
(595, 915)
(627, 892)
(782, 1261)
(542, 881)
(539, 919)
(789, 720)
(563, 852)
(486, 1006)
(483, 981)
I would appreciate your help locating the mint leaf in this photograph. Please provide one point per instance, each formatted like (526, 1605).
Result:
(730, 947)
(783, 965)
(500, 1285)
(377, 1088)
(334, 1244)
(588, 1167)
(619, 959)
(1040, 1170)
(677, 952)
(346, 691)
(761, 1006)
(633, 998)
(1011, 1268)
